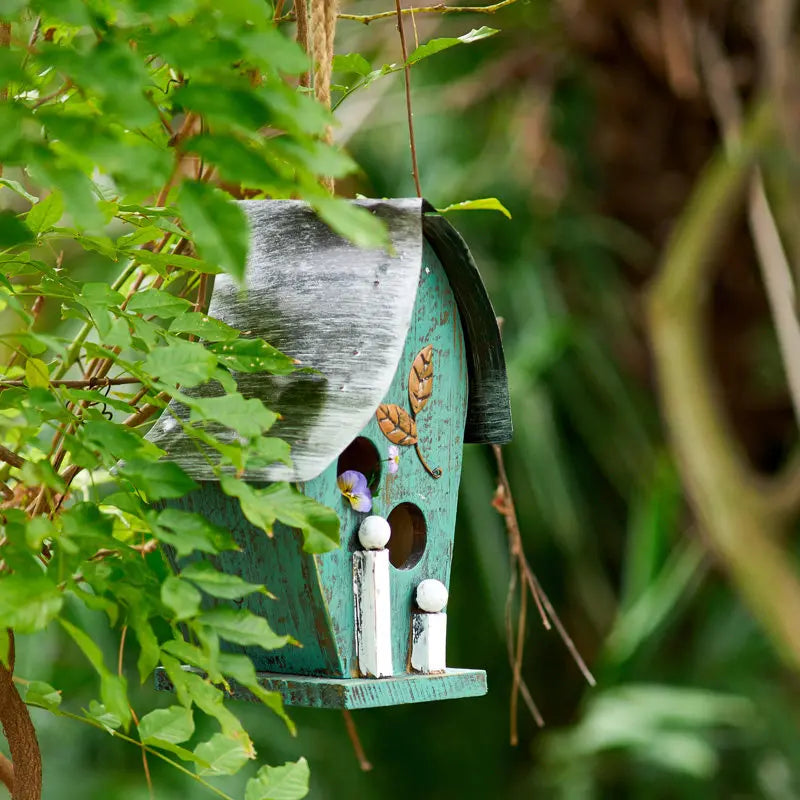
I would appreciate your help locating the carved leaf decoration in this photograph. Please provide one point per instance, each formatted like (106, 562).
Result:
(396, 424)
(420, 379)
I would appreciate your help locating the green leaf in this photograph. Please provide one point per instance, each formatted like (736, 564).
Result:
(107, 719)
(224, 756)
(163, 262)
(351, 62)
(38, 693)
(13, 231)
(317, 157)
(351, 221)
(219, 227)
(276, 50)
(159, 479)
(17, 187)
(484, 204)
(37, 373)
(267, 450)
(158, 303)
(182, 362)
(203, 326)
(238, 161)
(240, 669)
(437, 45)
(181, 597)
(28, 602)
(288, 782)
(149, 650)
(116, 441)
(174, 725)
(187, 532)
(319, 524)
(252, 355)
(248, 417)
(218, 584)
(237, 107)
(240, 626)
(113, 689)
(46, 213)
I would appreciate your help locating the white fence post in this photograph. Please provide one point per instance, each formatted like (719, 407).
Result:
(429, 628)
(372, 595)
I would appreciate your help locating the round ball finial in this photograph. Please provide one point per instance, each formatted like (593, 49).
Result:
(374, 533)
(431, 595)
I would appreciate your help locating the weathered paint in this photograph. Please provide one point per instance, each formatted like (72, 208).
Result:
(356, 693)
(373, 612)
(440, 427)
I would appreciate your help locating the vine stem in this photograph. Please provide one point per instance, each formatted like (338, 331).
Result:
(92, 383)
(440, 8)
(409, 112)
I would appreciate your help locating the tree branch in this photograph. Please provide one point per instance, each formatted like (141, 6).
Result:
(720, 485)
(21, 736)
(10, 457)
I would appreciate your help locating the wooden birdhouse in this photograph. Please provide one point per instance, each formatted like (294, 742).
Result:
(409, 366)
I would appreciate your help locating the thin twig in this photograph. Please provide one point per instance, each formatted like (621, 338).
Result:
(504, 503)
(440, 8)
(145, 412)
(517, 666)
(37, 26)
(121, 652)
(352, 732)
(559, 626)
(409, 112)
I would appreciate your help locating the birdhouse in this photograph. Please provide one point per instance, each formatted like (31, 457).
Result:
(407, 367)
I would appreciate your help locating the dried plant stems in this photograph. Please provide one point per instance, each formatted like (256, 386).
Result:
(522, 574)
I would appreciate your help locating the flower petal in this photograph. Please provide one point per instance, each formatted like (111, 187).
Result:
(361, 501)
(348, 481)
(394, 465)
(360, 484)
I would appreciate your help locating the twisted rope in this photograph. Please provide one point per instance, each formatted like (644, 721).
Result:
(323, 32)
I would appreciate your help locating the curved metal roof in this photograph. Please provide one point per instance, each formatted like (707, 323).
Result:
(344, 311)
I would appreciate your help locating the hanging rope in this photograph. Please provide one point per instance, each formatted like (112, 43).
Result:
(323, 31)
(301, 15)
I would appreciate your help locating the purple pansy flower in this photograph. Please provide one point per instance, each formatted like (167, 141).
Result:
(394, 459)
(353, 485)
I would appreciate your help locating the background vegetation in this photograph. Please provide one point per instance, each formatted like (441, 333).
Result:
(593, 122)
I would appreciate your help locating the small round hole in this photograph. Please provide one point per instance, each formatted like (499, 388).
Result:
(409, 534)
(362, 456)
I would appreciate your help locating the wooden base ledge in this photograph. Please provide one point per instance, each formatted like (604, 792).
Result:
(355, 693)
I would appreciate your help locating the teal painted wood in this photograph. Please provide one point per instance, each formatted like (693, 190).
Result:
(280, 563)
(355, 693)
(440, 426)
